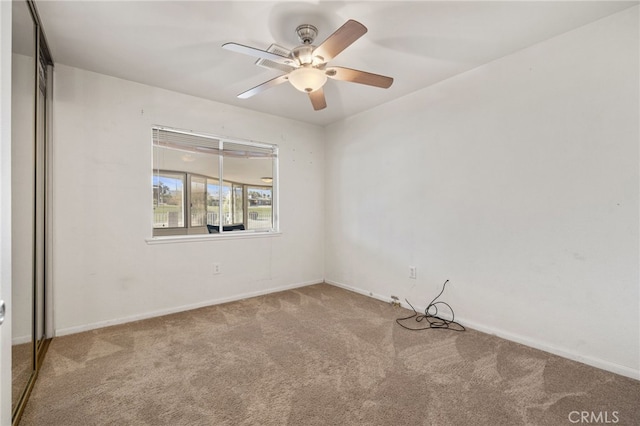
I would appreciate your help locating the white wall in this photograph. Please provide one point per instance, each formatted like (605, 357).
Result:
(104, 270)
(518, 181)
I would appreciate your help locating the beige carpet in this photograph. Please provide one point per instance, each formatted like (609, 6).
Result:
(317, 355)
(21, 369)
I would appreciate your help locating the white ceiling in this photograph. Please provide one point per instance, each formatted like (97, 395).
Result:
(176, 45)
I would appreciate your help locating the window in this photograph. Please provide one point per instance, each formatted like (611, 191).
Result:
(259, 209)
(205, 184)
(168, 200)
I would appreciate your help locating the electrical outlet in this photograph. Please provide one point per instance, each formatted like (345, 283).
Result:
(216, 268)
(412, 272)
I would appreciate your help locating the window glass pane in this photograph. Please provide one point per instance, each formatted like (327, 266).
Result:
(237, 204)
(198, 201)
(260, 209)
(213, 202)
(253, 167)
(168, 200)
(227, 206)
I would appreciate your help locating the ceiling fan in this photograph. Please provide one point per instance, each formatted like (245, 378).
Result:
(306, 65)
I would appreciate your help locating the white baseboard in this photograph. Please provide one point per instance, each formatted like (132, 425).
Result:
(21, 339)
(563, 352)
(360, 291)
(161, 312)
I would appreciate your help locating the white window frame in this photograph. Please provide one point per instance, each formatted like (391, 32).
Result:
(161, 235)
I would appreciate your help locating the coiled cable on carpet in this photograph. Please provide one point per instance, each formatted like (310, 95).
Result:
(431, 316)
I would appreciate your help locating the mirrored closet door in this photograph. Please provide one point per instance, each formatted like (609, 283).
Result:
(30, 110)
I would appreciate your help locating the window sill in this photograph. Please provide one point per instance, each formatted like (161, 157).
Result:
(231, 235)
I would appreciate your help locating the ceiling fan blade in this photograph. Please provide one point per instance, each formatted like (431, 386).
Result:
(263, 54)
(278, 50)
(264, 86)
(362, 77)
(317, 99)
(340, 40)
(265, 63)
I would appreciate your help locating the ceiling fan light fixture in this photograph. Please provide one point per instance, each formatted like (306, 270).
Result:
(307, 79)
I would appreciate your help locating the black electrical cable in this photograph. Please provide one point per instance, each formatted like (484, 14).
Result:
(433, 319)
